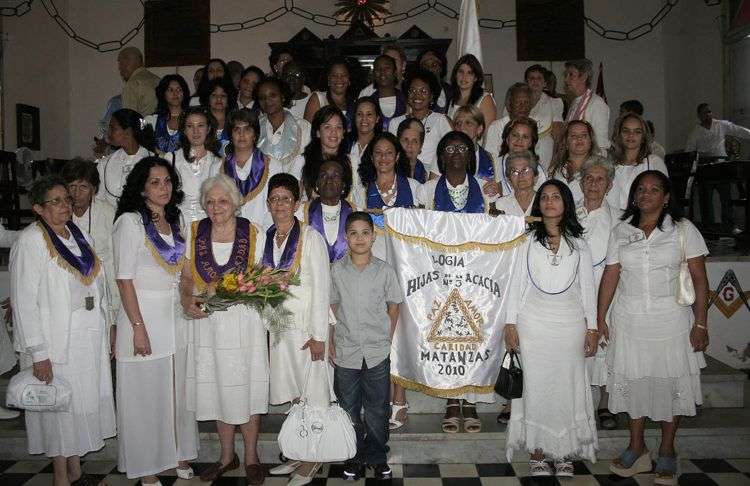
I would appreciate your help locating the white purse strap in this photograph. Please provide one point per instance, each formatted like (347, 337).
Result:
(324, 363)
(681, 231)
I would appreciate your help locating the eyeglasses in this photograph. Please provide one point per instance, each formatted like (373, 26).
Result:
(283, 200)
(419, 91)
(452, 149)
(68, 201)
(520, 172)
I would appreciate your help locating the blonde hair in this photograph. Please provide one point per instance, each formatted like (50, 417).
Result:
(471, 111)
(562, 154)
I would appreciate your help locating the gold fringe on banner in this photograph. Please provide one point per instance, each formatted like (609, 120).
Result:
(469, 245)
(62, 263)
(171, 269)
(441, 392)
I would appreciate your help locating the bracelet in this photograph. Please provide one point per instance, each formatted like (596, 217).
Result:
(701, 326)
(136, 324)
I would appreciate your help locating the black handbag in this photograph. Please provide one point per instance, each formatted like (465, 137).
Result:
(510, 379)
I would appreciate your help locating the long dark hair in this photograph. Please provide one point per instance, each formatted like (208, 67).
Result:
(228, 88)
(127, 118)
(211, 144)
(453, 136)
(132, 200)
(204, 88)
(633, 212)
(366, 169)
(161, 90)
(313, 153)
(477, 88)
(529, 122)
(569, 226)
(354, 134)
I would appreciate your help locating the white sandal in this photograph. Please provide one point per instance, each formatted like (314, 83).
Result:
(394, 423)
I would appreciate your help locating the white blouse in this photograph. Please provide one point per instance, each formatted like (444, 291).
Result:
(583, 280)
(509, 205)
(626, 174)
(192, 175)
(649, 267)
(113, 170)
(298, 107)
(436, 125)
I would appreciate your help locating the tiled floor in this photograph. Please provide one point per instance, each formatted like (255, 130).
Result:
(707, 472)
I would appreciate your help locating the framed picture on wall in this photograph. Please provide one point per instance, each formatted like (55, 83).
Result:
(27, 127)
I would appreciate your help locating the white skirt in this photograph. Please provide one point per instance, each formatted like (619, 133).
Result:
(556, 412)
(7, 353)
(290, 365)
(92, 415)
(652, 370)
(149, 442)
(230, 362)
(596, 367)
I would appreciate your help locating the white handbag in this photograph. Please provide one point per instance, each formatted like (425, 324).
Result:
(28, 393)
(685, 289)
(317, 434)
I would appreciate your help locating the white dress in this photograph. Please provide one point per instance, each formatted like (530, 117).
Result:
(309, 304)
(156, 429)
(626, 174)
(436, 125)
(298, 107)
(51, 322)
(652, 370)
(545, 112)
(113, 169)
(598, 226)
(359, 192)
(229, 357)
(453, 108)
(552, 306)
(509, 205)
(192, 175)
(596, 113)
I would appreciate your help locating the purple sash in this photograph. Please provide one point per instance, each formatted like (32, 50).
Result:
(172, 255)
(205, 263)
(83, 264)
(474, 202)
(420, 173)
(164, 141)
(485, 167)
(258, 172)
(315, 219)
(404, 199)
(290, 250)
(400, 107)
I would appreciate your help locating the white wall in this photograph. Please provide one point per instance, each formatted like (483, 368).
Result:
(36, 72)
(639, 69)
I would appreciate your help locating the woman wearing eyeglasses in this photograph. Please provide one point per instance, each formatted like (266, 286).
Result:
(458, 191)
(421, 90)
(297, 357)
(60, 327)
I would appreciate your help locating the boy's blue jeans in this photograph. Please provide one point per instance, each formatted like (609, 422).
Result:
(371, 388)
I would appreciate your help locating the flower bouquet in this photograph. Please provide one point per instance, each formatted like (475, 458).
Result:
(264, 289)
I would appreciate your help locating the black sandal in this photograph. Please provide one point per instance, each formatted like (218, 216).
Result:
(607, 419)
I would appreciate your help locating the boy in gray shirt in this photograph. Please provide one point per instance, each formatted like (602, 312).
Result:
(365, 298)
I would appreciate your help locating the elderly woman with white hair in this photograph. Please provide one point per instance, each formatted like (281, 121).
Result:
(598, 218)
(521, 171)
(230, 351)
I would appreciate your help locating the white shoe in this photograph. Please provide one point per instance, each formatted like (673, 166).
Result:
(187, 473)
(286, 468)
(6, 414)
(299, 480)
(539, 468)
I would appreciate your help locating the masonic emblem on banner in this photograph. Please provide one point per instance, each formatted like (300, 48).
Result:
(455, 321)
(729, 296)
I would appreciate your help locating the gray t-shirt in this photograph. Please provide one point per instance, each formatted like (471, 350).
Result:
(362, 324)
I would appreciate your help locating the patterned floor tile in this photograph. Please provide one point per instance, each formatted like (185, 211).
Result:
(458, 471)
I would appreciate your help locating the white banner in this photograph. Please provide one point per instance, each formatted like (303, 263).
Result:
(454, 270)
(729, 312)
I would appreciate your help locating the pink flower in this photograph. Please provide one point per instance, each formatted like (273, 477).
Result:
(265, 280)
(283, 286)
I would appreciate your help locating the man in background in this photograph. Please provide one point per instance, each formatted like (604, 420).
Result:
(139, 91)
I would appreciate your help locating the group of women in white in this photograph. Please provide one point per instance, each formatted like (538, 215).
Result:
(592, 302)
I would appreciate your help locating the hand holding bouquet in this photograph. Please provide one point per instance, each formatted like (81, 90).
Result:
(264, 289)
